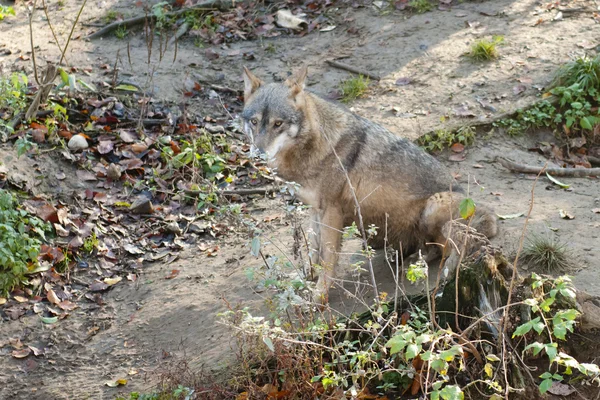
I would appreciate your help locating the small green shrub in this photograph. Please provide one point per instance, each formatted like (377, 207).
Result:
(420, 6)
(443, 138)
(20, 242)
(121, 32)
(583, 71)
(6, 10)
(546, 253)
(13, 89)
(354, 88)
(484, 49)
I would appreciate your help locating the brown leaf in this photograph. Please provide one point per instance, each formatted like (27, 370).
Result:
(48, 213)
(173, 274)
(52, 298)
(20, 299)
(67, 305)
(457, 147)
(86, 176)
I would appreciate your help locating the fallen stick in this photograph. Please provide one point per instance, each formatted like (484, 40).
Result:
(568, 172)
(350, 68)
(238, 192)
(209, 5)
(218, 88)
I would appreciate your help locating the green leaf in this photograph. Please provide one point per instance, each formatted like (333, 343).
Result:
(545, 385)
(536, 346)
(64, 76)
(489, 370)
(557, 182)
(412, 350)
(551, 350)
(538, 327)
(49, 320)
(510, 216)
(88, 86)
(255, 246)
(586, 123)
(467, 208)
(128, 88)
(492, 357)
(452, 392)
(267, 340)
(576, 105)
(560, 331)
(569, 293)
(523, 329)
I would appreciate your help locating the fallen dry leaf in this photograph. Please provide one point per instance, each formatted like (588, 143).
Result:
(21, 353)
(565, 215)
(52, 298)
(173, 274)
(20, 299)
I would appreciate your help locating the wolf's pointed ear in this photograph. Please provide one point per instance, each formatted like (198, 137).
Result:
(296, 81)
(251, 83)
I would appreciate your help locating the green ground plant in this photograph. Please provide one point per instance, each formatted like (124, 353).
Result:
(420, 6)
(485, 49)
(443, 138)
(5, 11)
(13, 89)
(547, 253)
(21, 236)
(354, 88)
(571, 105)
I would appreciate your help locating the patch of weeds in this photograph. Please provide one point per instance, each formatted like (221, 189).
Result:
(584, 71)
(21, 236)
(110, 16)
(354, 88)
(553, 315)
(179, 393)
(121, 32)
(91, 243)
(270, 49)
(546, 253)
(5, 11)
(420, 6)
(484, 49)
(13, 89)
(443, 138)
(575, 109)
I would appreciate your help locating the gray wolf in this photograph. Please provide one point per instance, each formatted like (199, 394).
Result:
(338, 157)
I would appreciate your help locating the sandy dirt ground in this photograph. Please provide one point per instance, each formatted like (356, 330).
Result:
(146, 322)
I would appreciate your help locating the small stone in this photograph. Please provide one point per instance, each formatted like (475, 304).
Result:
(77, 142)
(142, 205)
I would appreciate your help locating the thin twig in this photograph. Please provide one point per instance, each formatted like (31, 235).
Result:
(35, 71)
(352, 69)
(210, 5)
(504, 323)
(361, 225)
(568, 172)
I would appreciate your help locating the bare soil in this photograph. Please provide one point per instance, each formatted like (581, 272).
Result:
(143, 323)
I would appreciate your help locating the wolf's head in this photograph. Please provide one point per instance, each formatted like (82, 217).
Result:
(274, 113)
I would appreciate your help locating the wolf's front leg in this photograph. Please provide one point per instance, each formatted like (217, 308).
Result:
(330, 223)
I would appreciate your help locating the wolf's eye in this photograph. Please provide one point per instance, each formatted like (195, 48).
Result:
(278, 124)
(253, 121)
